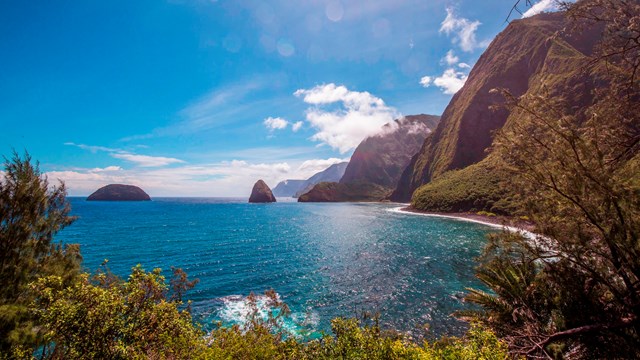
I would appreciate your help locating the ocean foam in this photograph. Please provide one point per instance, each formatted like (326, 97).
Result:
(525, 233)
(239, 310)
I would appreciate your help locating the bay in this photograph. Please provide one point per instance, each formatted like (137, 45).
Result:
(323, 259)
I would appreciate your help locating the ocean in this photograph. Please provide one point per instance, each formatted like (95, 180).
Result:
(324, 260)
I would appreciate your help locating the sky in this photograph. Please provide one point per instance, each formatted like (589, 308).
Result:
(205, 97)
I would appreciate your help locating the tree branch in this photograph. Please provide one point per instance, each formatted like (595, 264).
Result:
(581, 330)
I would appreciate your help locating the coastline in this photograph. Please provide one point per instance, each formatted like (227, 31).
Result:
(498, 222)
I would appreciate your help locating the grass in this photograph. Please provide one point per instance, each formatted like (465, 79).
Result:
(476, 188)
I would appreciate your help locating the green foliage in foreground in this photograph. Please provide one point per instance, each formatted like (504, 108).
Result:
(475, 188)
(49, 310)
(102, 317)
(31, 213)
(573, 291)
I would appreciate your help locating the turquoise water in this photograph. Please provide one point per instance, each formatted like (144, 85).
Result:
(324, 260)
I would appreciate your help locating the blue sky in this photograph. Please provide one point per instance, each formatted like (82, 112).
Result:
(202, 98)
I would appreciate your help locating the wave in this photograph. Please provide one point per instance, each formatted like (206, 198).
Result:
(242, 311)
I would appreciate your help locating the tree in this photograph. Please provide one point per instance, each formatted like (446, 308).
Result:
(31, 213)
(516, 8)
(575, 287)
(102, 317)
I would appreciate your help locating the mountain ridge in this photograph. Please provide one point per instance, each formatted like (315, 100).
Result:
(333, 173)
(519, 60)
(377, 163)
(296, 187)
(288, 188)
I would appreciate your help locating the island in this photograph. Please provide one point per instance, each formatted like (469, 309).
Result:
(119, 192)
(261, 193)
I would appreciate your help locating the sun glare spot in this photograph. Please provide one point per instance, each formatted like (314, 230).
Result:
(334, 10)
(285, 48)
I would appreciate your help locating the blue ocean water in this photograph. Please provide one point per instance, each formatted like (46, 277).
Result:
(324, 260)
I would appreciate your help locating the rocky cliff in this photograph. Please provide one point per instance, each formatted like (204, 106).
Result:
(377, 163)
(332, 174)
(339, 192)
(380, 159)
(288, 188)
(119, 192)
(531, 55)
(261, 193)
(295, 188)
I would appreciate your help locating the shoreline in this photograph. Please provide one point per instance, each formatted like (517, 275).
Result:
(497, 222)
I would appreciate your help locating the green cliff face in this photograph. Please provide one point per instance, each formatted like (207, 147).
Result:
(474, 188)
(377, 163)
(531, 56)
(381, 159)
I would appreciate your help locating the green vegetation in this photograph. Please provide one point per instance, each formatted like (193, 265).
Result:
(337, 192)
(475, 188)
(50, 310)
(30, 215)
(486, 213)
(573, 291)
(105, 318)
(514, 60)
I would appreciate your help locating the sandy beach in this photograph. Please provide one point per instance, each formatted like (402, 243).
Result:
(499, 222)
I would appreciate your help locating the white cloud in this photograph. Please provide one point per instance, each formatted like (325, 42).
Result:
(108, 168)
(450, 59)
(221, 107)
(449, 82)
(317, 165)
(276, 167)
(226, 178)
(94, 149)
(234, 178)
(296, 126)
(85, 181)
(418, 127)
(275, 123)
(145, 160)
(541, 6)
(358, 115)
(463, 30)
(264, 153)
(451, 79)
(140, 160)
(212, 110)
(426, 81)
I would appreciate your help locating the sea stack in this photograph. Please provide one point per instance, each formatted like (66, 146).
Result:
(261, 193)
(119, 192)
